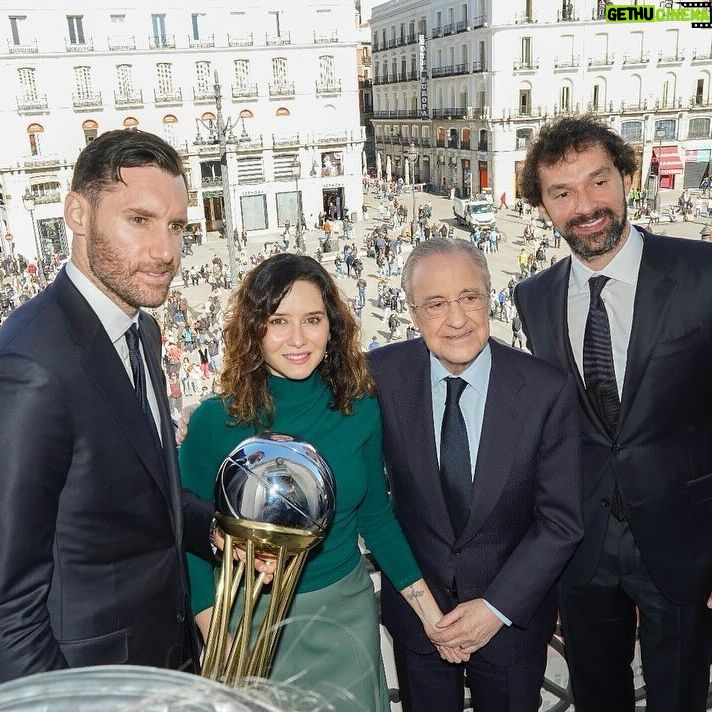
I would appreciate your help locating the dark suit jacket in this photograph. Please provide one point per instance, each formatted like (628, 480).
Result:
(91, 520)
(525, 514)
(662, 450)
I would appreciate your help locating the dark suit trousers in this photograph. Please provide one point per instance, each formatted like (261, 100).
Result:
(599, 623)
(428, 683)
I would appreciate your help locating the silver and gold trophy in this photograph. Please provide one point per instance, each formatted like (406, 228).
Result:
(274, 498)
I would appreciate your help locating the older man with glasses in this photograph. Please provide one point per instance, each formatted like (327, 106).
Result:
(481, 450)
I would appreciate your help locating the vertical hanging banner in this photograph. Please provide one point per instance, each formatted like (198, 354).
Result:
(423, 63)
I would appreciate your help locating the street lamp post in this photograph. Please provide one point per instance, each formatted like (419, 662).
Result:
(660, 135)
(28, 200)
(413, 157)
(223, 129)
(297, 170)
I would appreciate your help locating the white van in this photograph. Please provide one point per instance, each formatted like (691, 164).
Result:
(473, 212)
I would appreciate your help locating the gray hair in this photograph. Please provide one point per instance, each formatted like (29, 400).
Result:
(442, 246)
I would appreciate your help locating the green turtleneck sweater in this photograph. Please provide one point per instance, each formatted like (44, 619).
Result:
(352, 447)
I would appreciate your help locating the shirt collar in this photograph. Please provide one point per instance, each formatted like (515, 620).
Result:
(475, 375)
(114, 320)
(623, 267)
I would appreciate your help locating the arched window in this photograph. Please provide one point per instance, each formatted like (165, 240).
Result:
(282, 111)
(130, 122)
(90, 128)
(246, 114)
(33, 132)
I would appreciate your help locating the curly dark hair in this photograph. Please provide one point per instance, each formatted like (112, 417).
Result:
(558, 138)
(100, 162)
(243, 381)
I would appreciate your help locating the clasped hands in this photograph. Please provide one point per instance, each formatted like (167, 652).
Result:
(464, 630)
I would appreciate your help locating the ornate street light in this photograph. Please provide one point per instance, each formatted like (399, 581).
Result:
(28, 200)
(413, 157)
(296, 172)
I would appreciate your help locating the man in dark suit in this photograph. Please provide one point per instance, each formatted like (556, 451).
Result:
(481, 450)
(629, 314)
(93, 520)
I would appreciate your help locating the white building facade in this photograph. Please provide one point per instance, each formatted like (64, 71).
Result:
(493, 72)
(288, 85)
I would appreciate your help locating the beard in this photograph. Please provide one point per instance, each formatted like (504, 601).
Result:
(121, 279)
(599, 243)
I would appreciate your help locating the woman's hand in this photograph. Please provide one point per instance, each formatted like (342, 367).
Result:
(182, 425)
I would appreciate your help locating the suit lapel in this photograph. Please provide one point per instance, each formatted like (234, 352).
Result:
(500, 428)
(415, 397)
(103, 365)
(650, 311)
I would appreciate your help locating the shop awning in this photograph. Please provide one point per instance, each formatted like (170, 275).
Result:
(669, 158)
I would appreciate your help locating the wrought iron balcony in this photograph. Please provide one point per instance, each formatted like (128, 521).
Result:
(461, 26)
(330, 88)
(411, 38)
(51, 196)
(479, 67)
(478, 21)
(86, 46)
(451, 70)
(203, 96)
(605, 61)
(201, 42)
(211, 181)
(436, 32)
(282, 89)
(525, 18)
(281, 141)
(642, 58)
(168, 97)
(118, 43)
(246, 40)
(699, 56)
(330, 37)
(245, 91)
(278, 40)
(29, 47)
(448, 29)
(678, 56)
(568, 15)
(90, 100)
(525, 65)
(162, 42)
(450, 113)
(566, 62)
(42, 161)
(35, 103)
(132, 98)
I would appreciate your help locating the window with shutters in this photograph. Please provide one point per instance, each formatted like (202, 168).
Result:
(124, 79)
(164, 73)
(242, 73)
(82, 82)
(279, 70)
(75, 26)
(202, 77)
(28, 84)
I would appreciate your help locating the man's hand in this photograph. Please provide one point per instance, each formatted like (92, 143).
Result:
(468, 627)
(182, 428)
(709, 601)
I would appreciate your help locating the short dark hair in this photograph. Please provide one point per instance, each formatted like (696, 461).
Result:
(442, 246)
(244, 375)
(100, 162)
(561, 136)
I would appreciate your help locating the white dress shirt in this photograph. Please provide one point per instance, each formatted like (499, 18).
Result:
(618, 295)
(116, 323)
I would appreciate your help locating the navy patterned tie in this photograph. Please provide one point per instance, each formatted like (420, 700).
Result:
(599, 372)
(455, 467)
(138, 371)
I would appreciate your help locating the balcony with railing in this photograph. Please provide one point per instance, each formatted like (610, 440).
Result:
(671, 57)
(567, 15)
(448, 29)
(201, 42)
(397, 114)
(28, 47)
(698, 102)
(128, 98)
(461, 26)
(411, 39)
(375, 45)
(33, 103)
(449, 113)
(203, 96)
(482, 146)
(87, 45)
(285, 140)
(700, 56)
(478, 67)
(566, 62)
(633, 106)
(162, 42)
(281, 90)
(245, 91)
(334, 137)
(88, 100)
(245, 40)
(47, 197)
(326, 37)
(121, 43)
(525, 65)
(525, 18)
(273, 40)
(175, 96)
(211, 181)
(478, 21)
(635, 59)
(331, 87)
(436, 32)
(602, 61)
(48, 161)
(450, 71)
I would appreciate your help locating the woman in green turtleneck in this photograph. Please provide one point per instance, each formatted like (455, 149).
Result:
(293, 365)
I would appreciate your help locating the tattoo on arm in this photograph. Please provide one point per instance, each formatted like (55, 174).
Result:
(413, 595)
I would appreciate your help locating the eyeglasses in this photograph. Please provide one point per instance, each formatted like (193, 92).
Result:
(436, 308)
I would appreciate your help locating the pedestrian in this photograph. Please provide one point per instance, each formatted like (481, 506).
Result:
(516, 330)
(373, 343)
(503, 201)
(394, 326)
(89, 460)
(361, 285)
(626, 307)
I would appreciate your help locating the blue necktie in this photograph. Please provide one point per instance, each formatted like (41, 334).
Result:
(455, 466)
(599, 372)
